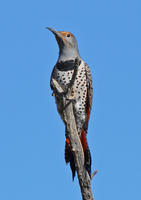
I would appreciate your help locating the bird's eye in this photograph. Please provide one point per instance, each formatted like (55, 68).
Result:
(68, 35)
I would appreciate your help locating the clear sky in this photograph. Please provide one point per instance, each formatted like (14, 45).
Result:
(32, 135)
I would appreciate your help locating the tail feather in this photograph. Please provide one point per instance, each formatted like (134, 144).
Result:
(87, 156)
(88, 161)
(69, 159)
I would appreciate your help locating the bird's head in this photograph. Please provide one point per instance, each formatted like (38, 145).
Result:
(67, 43)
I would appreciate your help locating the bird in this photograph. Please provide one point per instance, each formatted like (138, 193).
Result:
(83, 89)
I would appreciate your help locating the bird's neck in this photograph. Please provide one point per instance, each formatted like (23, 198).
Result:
(68, 54)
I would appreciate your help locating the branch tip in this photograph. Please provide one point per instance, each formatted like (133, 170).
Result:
(94, 173)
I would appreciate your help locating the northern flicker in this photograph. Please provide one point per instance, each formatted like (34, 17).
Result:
(83, 89)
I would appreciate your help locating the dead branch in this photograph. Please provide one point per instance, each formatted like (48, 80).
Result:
(94, 173)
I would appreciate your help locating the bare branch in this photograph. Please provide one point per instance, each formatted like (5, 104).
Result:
(94, 173)
(57, 87)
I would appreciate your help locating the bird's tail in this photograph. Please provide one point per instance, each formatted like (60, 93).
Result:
(87, 154)
(69, 156)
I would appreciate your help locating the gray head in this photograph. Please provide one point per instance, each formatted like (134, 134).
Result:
(68, 49)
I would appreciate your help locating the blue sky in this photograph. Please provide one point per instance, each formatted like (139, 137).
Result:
(32, 136)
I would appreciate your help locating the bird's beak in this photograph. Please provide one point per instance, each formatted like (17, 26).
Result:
(56, 33)
(59, 37)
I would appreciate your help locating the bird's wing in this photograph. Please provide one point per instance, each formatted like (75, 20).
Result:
(89, 92)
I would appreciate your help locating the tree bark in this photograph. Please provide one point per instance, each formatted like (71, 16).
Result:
(72, 134)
